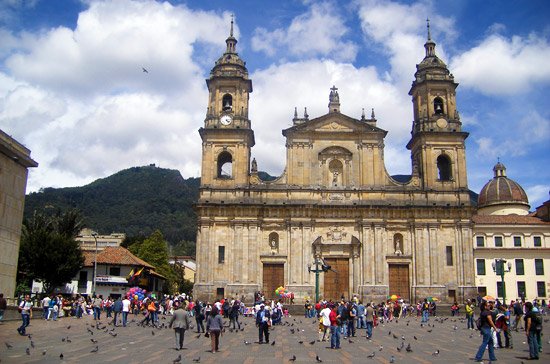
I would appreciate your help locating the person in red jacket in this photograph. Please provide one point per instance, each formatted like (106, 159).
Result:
(334, 329)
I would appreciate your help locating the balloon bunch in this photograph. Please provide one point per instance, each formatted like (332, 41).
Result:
(136, 293)
(282, 292)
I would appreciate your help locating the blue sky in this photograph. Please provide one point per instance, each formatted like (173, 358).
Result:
(72, 89)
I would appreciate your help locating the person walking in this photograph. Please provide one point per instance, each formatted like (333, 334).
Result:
(25, 307)
(487, 325)
(214, 326)
(96, 305)
(469, 307)
(117, 309)
(180, 322)
(234, 315)
(125, 310)
(262, 322)
(334, 328)
(325, 321)
(199, 316)
(361, 316)
(3, 306)
(531, 331)
(425, 310)
(369, 318)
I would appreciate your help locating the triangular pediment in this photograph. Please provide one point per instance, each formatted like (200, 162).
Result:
(334, 123)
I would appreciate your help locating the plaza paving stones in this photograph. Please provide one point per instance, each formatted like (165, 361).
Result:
(134, 344)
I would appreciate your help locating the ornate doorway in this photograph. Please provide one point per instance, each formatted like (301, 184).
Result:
(399, 281)
(337, 279)
(274, 276)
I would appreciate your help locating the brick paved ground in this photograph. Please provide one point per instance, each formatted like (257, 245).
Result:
(135, 344)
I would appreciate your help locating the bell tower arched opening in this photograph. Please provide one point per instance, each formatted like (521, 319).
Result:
(225, 165)
(444, 168)
(227, 103)
(438, 106)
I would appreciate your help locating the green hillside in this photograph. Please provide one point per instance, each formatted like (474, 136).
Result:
(135, 201)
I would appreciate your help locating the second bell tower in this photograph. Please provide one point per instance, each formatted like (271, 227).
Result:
(437, 139)
(226, 135)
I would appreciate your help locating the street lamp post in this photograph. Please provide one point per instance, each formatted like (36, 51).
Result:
(498, 268)
(94, 234)
(320, 266)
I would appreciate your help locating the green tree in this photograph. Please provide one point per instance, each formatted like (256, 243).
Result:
(154, 250)
(49, 252)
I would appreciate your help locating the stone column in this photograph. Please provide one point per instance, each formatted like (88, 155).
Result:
(237, 248)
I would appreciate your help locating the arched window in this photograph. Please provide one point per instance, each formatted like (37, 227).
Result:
(336, 169)
(227, 102)
(444, 168)
(438, 106)
(225, 165)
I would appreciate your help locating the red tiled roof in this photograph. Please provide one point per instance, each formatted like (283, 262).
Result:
(508, 220)
(114, 256)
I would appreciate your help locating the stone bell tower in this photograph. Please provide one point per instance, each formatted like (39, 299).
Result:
(226, 135)
(437, 142)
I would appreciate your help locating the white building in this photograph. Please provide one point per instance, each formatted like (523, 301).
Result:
(504, 229)
(117, 271)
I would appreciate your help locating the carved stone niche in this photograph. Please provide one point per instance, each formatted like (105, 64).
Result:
(335, 153)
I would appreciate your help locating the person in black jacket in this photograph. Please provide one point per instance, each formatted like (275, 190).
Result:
(263, 318)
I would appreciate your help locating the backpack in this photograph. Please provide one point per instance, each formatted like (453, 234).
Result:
(479, 323)
(537, 320)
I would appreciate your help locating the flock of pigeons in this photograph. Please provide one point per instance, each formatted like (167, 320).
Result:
(294, 328)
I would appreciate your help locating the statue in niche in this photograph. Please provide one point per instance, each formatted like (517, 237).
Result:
(335, 178)
(274, 245)
(254, 168)
(398, 242)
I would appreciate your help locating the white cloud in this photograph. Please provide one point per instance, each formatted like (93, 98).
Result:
(318, 32)
(537, 194)
(504, 66)
(80, 101)
(400, 30)
(531, 130)
(306, 84)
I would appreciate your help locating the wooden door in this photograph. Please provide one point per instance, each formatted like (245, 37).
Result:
(274, 277)
(399, 281)
(337, 279)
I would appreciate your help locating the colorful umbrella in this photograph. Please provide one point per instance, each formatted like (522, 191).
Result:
(394, 297)
(432, 299)
(488, 298)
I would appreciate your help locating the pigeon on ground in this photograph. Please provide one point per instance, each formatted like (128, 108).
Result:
(69, 327)
(68, 340)
(246, 342)
(430, 330)
(392, 359)
(8, 345)
(273, 343)
(350, 341)
(312, 342)
(380, 348)
(371, 356)
(113, 334)
(436, 353)
(94, 341)
(95, 350)
(415, 338)
(152, 333)
(300, 342)
(177, 360)
(409, 350)
(293, 358)
(318, 359)
(395, 336)
(61, 356)
(63, 339)
(44, 352)
(28, 351)
(197, 360)
(32, 344)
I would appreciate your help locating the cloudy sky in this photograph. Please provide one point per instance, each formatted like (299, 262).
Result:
(72, 88)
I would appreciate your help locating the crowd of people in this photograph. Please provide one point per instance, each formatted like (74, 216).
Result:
(496, 320)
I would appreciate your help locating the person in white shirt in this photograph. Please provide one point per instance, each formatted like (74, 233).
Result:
(125, 310)
(46, 307)
(325, 320)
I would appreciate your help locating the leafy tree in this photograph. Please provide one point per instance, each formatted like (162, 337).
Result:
(49, 252)
(154, 250)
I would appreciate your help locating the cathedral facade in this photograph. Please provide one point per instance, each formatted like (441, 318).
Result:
(335, 204)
